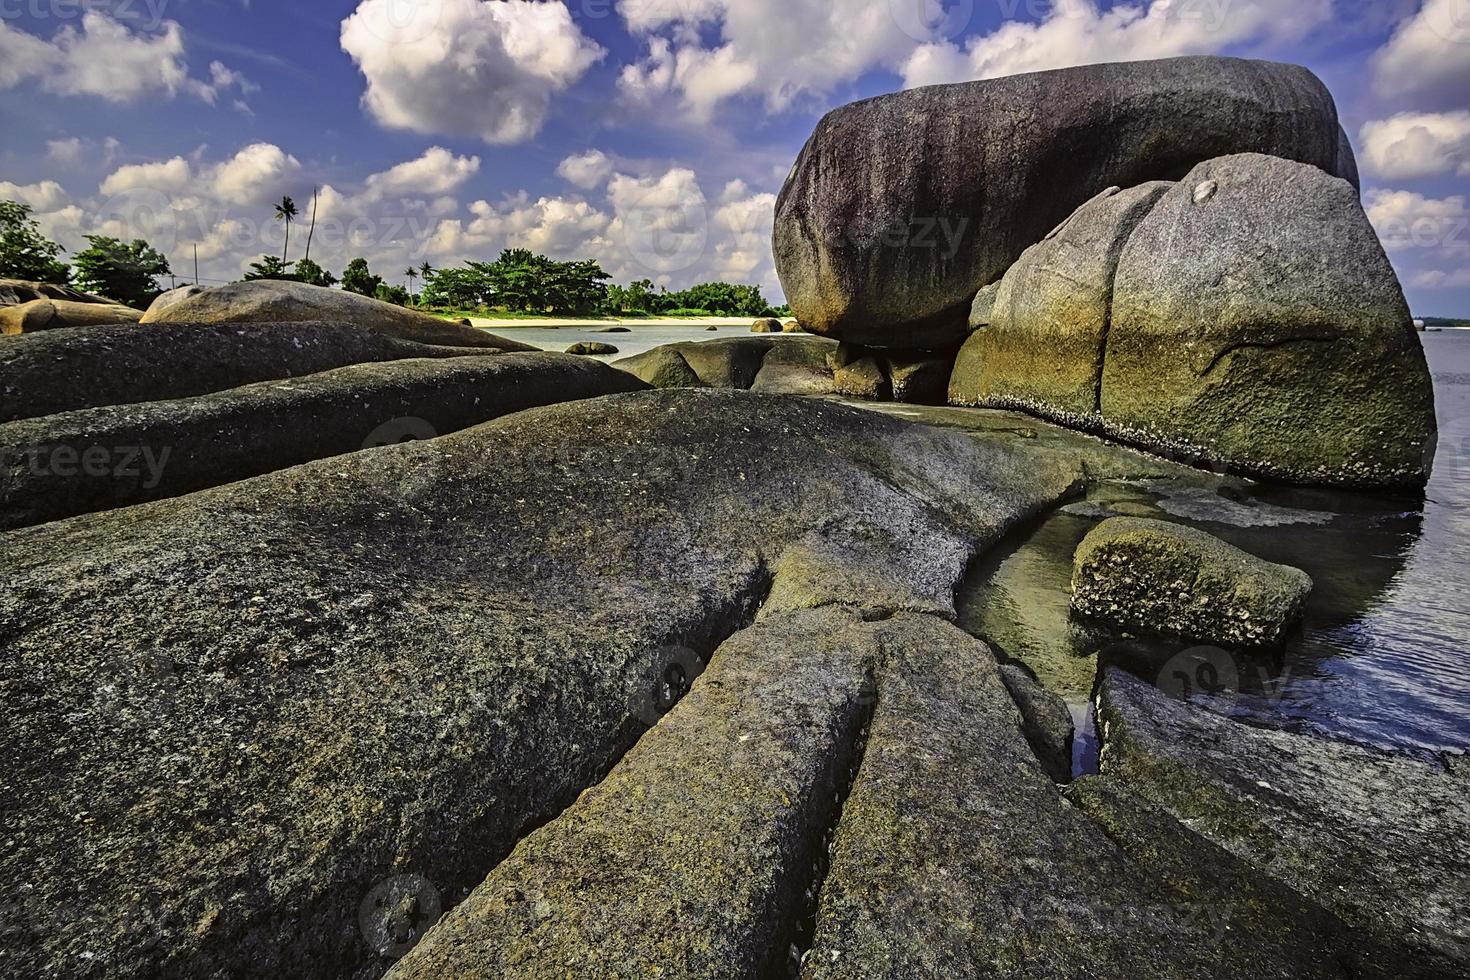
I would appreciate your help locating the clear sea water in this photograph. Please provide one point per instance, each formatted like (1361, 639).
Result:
(641, 337)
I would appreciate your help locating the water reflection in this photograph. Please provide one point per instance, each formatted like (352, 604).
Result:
(1383, 654)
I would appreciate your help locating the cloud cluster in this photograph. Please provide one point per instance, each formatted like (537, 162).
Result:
(659, 226)
(1417, 144)
(1079, 32)
(780, 50)
(1424, 235)
(464, 67)
(105, 59)
(1428, 55)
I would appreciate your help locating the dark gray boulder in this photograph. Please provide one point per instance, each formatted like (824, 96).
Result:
(63, 370)
(776, 366)
(1378, 839)
(1257, 324)
(96, 459)
(1044, 340)
(1143, 574)
(270, 300)
(900, 207)
(587, 348)
(236, 717)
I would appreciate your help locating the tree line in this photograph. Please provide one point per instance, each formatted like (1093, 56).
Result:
(517, 281)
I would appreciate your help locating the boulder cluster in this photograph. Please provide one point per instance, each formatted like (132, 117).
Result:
(1171, 253)
(344, 641)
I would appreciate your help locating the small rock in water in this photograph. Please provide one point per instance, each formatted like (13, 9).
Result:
(591, 348)
(1160, 577)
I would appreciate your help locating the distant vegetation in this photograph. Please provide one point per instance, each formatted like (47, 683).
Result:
(1442, 321)
(519, 283)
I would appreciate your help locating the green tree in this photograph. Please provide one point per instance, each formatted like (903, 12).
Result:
(412, 273)
(24, 252)
(119, 270)
(269, 267)
(312, 274)
(286, 211)
(389, 293)
(356, 278)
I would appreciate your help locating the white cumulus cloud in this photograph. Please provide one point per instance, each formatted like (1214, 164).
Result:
(466, 67)
(1417, 144)
(1079, 32)
(780, 50)
(43, 197)
(1428, 55)
(105, 58)
(586, 170)
(259, 173)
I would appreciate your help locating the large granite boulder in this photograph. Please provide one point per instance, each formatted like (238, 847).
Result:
(1144, 574)
(237, 720)
(1043, 339)
(1245, 318)
(63, 370)
(1378, 839)
(279, 301)
(1257, 324)
(96, 459)
(54, 314)
(14, 292)
(900, 207)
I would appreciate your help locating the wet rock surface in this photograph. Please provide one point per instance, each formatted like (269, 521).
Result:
(1378, 839)
(113, 456)
(859, 245)
(1162, 577)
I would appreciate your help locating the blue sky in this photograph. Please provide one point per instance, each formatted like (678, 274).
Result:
(650, 134)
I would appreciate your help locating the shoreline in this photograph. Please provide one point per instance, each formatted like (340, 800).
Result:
(556, 323)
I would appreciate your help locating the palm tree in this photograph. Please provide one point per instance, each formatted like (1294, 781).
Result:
(426, 270)
(286, 211)
(312, 230)
(412, 274)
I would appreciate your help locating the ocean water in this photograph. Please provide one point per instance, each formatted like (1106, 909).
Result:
(1383, 654)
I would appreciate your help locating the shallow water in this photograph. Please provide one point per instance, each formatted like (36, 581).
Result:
(639, 339)
(1383, 655)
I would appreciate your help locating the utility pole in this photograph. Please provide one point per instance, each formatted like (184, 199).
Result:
(196, 263)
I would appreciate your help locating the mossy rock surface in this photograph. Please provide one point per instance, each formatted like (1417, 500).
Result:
(1165, 578)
